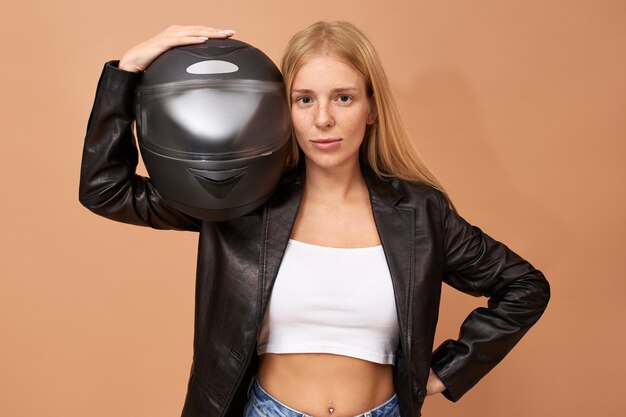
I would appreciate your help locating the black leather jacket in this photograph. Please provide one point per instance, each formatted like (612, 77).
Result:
(425, 244)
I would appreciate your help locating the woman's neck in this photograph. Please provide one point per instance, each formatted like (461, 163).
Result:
(337, 184)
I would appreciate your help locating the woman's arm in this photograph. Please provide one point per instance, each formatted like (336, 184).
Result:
(109, 185)
(518, 294)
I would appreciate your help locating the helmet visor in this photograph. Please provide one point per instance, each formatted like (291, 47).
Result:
(213, 119)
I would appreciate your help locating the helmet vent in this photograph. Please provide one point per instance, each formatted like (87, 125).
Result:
(218, 183)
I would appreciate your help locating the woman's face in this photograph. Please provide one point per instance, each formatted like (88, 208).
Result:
(330, 109)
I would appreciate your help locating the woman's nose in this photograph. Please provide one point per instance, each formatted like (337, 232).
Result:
(323, 117)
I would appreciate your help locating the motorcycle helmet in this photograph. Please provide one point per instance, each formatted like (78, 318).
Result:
(213, 127)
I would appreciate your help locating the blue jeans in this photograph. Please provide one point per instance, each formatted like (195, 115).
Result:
(261, 404)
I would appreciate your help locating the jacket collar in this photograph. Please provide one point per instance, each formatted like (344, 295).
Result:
(380, 189)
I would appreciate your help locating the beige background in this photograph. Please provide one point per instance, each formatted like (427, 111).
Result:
(518, 106)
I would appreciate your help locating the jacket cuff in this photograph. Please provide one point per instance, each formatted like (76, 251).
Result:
(118, 81)
(442, 363)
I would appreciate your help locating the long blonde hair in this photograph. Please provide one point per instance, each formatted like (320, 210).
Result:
(386, 147)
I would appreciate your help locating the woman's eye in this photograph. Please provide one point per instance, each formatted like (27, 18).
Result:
(304, 100)
(344, 99)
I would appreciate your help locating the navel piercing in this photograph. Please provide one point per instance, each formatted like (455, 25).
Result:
(331, 409)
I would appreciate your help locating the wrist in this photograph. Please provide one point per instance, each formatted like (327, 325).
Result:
(126, 67)
(434, 384)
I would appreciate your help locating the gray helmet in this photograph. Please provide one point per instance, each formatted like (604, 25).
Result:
(213, 127)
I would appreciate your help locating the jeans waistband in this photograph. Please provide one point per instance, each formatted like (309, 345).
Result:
(262, 404)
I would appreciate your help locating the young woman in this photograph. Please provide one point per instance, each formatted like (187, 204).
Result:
(324, 301)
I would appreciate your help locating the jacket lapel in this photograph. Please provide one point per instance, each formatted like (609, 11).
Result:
(278, 220)
(396, 228)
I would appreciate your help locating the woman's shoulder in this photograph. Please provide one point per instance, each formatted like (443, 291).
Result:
(414, 187)
(416, 191)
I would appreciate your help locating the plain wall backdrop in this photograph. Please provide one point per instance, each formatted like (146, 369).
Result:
(518, 106)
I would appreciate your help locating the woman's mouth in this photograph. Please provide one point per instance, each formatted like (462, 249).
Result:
(326, 144)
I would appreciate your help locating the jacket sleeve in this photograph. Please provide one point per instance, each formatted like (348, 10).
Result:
(518, 294)
(109, 185)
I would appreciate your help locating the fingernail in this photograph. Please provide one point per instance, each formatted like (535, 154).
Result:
(227, 32)
(202, 38)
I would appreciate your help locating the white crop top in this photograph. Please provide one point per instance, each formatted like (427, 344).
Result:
(332, 300)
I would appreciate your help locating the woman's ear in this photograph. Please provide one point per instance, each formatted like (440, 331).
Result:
(372, 112)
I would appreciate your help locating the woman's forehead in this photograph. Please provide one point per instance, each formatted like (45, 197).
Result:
(327, 72)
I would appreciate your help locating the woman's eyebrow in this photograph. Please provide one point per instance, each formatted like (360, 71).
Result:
(334, 90)
(301, 90)
(345, 89)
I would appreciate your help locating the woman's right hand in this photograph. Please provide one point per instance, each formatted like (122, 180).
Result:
(139, 57)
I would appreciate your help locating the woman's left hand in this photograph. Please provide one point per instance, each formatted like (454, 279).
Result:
(434, 384)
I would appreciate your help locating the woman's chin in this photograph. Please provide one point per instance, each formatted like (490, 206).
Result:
(331, 162)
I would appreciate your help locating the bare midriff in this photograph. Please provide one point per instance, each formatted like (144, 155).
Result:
(324, 385)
